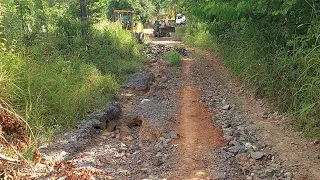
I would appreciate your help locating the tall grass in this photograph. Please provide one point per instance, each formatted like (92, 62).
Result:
(116, 51)
(53, 84)
(196, 34)
(290, 79)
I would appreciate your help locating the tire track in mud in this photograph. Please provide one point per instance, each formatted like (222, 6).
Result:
(198, 133)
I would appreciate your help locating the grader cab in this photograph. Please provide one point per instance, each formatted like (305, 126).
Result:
(128, 20)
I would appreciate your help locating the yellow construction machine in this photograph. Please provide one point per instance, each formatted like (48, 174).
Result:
(128, 20)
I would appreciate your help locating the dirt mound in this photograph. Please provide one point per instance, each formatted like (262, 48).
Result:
(155, 52)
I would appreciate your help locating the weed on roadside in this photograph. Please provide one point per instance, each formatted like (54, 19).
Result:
(173, 58)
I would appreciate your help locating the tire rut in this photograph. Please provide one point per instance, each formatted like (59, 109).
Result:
(198, 134)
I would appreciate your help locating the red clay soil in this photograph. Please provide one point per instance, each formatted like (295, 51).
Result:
(198, 135)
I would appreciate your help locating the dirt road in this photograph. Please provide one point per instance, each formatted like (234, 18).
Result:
(198, 134)
(195, 121)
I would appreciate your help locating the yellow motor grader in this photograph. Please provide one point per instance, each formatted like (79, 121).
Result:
(128, 20)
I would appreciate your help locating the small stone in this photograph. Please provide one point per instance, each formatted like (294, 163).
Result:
(118, 155)
(128, 138)
(158, 161)
(265, 115)
(256, 155)
(237, 147)
(275, 167)
(315, 142)
(226, 107)
(159, 154)
(174, 135)
(226, 125)
(95, 123)
(123, 149)
(288, 175)
(168, 141)
(145, 100)
(249, 177)
(63, 153)
(228, 138)
(250, 146)
(269, 172)
(145, 170)
(113, 135)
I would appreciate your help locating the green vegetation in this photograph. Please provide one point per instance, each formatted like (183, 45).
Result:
(55, 66)
(196, 35)
(272, 44)
(173, 58)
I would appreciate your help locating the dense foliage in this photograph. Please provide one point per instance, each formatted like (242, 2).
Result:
(273, 44)
(51, 73)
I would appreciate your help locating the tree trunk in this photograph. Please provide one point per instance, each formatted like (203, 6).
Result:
(83, 13)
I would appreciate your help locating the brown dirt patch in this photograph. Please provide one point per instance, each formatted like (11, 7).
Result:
(198, 135)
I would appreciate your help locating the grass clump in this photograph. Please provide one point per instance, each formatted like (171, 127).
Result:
(197, 35)
(173, 58)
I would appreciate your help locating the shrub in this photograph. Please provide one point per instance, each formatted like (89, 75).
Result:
(173, 58)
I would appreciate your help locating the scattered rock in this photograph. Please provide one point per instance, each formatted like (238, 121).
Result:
(226, 107)
(288, 175)
(315, 142)
(237, 147)
(155, 52)
(96, 123)
(158, 161)
(145, 100)
(140, 81)
(182, 51)
(171, 135)
(107, 116)
(256, 155)
(269, 172)
(145, 170)
(63, 153)
(250, 146)
(159, 154)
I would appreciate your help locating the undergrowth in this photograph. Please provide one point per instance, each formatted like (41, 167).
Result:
(197, 35)
(53, 83)
(173, 58)
(287, 76)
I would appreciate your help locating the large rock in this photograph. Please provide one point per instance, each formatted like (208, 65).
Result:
(108, 116)
(140, 81)
(256, 155)
(132, 120)
(149, 130)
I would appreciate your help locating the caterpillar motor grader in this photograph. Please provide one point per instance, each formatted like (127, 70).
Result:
(128, 20)
(161, 26)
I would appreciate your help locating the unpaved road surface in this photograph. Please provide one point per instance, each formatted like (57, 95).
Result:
(195, 121)
(198, 135)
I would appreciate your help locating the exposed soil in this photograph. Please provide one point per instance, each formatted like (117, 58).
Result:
(198, 135)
